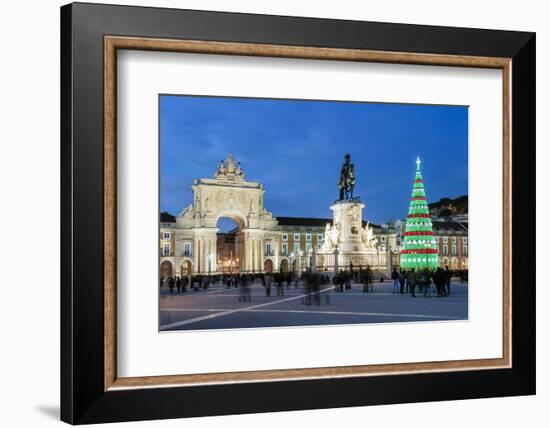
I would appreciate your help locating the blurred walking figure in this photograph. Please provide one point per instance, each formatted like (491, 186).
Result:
(316, 289)
(178, 284)
(242, 289)
(268, 280)
(407, 282)
(439, 281)
(342, 281)
(367, 280)
(402, 277)
(395, 279)
(412, 281)
(279, 284)
(348, 277)
(171, 284)
(425, 281)
(247, 289)
(307, 288)
(448, 275)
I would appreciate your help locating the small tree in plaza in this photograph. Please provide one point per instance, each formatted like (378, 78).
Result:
(419, 246)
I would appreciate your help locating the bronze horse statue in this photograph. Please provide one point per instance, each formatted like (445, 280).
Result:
(347, 179)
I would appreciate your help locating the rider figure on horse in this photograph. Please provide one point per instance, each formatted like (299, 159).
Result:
(347, 179)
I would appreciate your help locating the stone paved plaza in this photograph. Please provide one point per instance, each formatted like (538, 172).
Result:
(220, 308)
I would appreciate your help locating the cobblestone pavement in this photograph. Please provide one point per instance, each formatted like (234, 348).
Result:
(220, 308)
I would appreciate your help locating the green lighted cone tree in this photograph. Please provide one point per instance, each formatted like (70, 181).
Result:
(419, 247)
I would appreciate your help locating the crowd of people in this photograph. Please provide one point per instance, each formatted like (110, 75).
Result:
(403, 282)
(421, 280)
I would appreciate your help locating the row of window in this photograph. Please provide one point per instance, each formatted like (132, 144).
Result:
(453, 240)
(297, 237)
(320, 236)
(166, 248)
(295, 249)
(187, 250)
(445, 251)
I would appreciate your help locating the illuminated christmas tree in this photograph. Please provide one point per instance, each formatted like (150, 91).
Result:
(419, 247)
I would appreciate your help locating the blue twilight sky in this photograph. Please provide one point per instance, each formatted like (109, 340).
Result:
(295, 148)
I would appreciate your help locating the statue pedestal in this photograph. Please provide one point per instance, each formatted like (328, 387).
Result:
(348, 219)
(347, 241)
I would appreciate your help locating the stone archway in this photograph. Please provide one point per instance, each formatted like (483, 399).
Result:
(454, 263)
(237, 216)
(186, 268)
(166, 269)
(284, 266)
(229, 195)
(237, 258)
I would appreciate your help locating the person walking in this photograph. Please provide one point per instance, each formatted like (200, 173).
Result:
(395, 279)
(370, 277)
(267, 283)
(425, 282)
(345, 281)
(412, 282)
(178, 284)
(171, 284)
(401, 281)
(367, 280)
(316, 288)
(279, 284)
(242, 296)
(248, 289)
(448, 275)
(339, 281)
(349, 277)
(439, 281)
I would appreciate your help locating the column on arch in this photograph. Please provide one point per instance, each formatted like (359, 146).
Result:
(196, 256)
(247, 251)
(275, 255)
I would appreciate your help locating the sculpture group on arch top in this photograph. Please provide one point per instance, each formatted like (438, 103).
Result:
(347, 239)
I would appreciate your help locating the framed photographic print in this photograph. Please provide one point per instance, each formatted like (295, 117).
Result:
(265, 213)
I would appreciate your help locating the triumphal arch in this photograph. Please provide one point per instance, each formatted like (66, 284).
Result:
(228, 194)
